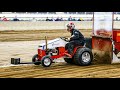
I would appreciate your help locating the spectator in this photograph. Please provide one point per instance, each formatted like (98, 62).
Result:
(4, 18)
(50, 19)
(57, 19)
(15, 18)
(116, 18)
(61, 19)
(81, 19)
(78, 19)
(70, 18)
(53, 19)
(33, 19)
(47, 19)
(0, 19)
(73, 19)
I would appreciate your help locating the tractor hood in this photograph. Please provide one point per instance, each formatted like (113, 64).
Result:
(51, 44)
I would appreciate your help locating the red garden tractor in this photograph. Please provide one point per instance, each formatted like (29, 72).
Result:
(103, 46)
(54, 49)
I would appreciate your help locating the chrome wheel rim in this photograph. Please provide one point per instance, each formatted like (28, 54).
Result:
(47, 61)
(85, 57)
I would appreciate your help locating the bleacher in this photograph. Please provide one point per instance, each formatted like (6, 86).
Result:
(52, 16)
(41, 16)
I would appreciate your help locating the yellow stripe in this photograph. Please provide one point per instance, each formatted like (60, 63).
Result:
(118, 34)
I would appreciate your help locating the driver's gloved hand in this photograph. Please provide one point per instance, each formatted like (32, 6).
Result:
(68, 39)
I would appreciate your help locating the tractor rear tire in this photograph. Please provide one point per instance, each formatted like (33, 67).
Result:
(35, 59)
(83, 56)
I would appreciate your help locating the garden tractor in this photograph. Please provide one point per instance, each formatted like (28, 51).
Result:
(54, 49)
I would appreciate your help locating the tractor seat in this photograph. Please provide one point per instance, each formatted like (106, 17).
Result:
(88, 43)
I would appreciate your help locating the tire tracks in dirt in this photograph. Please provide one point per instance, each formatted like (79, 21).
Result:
(60, 71)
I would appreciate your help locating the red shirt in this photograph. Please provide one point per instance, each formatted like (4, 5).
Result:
(5, 19)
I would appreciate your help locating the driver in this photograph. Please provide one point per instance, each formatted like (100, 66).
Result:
(76, 39)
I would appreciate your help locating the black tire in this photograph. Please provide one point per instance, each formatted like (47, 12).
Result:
(81, 60)
(46, 58)
(69, 60)
(35, 59)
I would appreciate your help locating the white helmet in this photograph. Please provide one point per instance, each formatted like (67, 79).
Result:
(70, 26)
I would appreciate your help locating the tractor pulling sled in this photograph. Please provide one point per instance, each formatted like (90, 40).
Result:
(105, 43)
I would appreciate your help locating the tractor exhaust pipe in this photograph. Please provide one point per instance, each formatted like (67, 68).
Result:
(46, 42)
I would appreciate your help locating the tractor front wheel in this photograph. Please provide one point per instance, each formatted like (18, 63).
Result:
(46, 61)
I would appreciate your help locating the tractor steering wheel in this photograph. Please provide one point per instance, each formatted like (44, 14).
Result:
(65, 39)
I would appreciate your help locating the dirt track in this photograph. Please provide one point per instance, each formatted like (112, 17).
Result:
(22, 49)
(31, 35)
(61, 70)
(24, 46)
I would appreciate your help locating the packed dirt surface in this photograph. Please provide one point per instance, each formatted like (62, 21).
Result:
(61, 70)
(24, 44)
(19, 49)
(31, 35)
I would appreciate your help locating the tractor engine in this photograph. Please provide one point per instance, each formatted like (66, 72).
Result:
(51, 48)
(52, 44)
(52, 51)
